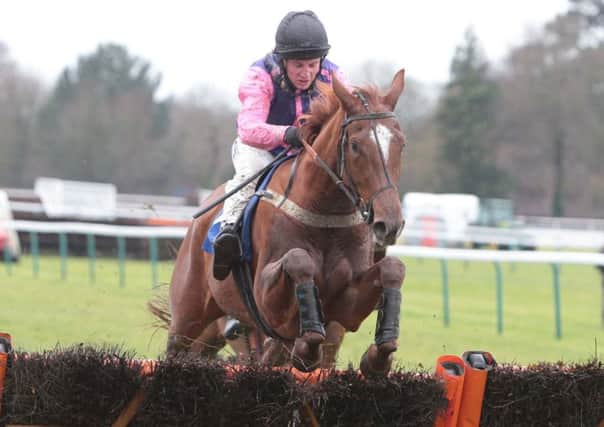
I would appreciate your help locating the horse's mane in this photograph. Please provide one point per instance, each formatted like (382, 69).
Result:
(326, 105)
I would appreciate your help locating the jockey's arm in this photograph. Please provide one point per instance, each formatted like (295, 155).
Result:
(255, 94)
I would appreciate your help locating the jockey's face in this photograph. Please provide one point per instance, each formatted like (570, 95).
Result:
(302, 72)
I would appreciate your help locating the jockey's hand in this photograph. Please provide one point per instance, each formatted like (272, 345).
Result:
(292, 137)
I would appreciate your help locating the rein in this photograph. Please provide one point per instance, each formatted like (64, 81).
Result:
(351, 191)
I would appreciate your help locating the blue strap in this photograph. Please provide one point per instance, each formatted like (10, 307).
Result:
(248, 213)
(250, 210)
(208, 242)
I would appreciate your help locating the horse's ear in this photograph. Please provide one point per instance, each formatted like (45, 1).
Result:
(346, 98)
(398, 84)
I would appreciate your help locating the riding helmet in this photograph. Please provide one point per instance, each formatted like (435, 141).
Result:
(301, 35)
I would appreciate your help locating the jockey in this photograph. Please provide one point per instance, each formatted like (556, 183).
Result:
(275, 91)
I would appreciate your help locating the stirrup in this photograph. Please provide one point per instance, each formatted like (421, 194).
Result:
(227, 250)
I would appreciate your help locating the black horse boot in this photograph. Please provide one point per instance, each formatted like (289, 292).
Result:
(227, 250)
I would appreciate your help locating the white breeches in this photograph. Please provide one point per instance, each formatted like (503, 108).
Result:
(247, 161)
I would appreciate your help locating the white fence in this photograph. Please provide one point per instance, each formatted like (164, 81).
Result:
(519, 237)
(554, 258)
(129, 231)
(560, 238)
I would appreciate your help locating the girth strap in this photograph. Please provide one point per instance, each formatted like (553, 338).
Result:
(309, 218)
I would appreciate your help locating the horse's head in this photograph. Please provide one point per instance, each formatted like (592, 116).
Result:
(369, 154)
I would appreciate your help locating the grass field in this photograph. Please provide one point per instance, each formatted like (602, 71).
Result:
(45, 311)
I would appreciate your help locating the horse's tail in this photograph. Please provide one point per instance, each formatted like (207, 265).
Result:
(160, 309)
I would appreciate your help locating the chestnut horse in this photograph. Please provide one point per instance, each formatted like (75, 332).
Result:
(313, 250)
(246, 346)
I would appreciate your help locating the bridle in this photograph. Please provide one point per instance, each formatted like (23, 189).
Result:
(351, 191)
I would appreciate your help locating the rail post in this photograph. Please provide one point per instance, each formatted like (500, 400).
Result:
(121, 253)
(7, 261)
(63, 253)
(35, 253)
(91, 251)
(557, 316)
(499, 291)
(445, 286)
(153, 255)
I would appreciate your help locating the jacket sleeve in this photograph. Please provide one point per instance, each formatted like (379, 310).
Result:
(330, 67)
(255, 94)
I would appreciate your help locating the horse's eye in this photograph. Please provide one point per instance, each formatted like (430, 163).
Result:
(354, 146)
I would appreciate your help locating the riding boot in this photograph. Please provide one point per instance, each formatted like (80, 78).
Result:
(232, 328)
(227, 250)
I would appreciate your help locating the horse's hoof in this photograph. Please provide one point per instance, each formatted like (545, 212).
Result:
(377, 361)
(387, 348)
(274, 353)
(307, 352)
(307, 364)
(312, 338)
(177, 344)
(303, 366)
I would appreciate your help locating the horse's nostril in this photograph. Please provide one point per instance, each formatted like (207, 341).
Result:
(379, 229)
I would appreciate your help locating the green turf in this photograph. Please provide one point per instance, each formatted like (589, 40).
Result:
(41, 312)
(45, 311)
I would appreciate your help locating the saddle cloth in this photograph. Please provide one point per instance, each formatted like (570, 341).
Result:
(245, 224)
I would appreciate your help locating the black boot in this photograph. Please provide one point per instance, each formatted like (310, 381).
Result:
(227, 251)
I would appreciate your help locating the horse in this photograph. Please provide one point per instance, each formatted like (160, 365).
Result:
(314, 240)
(246, 344)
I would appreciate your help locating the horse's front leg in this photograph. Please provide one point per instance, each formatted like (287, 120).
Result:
(381, 285)
(298, 265)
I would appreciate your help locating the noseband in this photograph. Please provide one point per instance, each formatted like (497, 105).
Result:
(351, 191)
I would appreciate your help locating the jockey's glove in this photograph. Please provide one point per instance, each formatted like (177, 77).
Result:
(292, 137)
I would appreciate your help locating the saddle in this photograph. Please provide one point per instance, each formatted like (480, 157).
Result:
(245, 221)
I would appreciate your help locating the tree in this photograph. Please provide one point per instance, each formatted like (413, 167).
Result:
(552, 121)
(465, 119)
(200, 138)
(103, 122)
(20, 95)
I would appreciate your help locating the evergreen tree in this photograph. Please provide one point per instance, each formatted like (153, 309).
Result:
(465, 117)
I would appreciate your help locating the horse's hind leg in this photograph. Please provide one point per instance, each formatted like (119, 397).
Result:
(192, 305)
(210, 341)
(191, 329)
